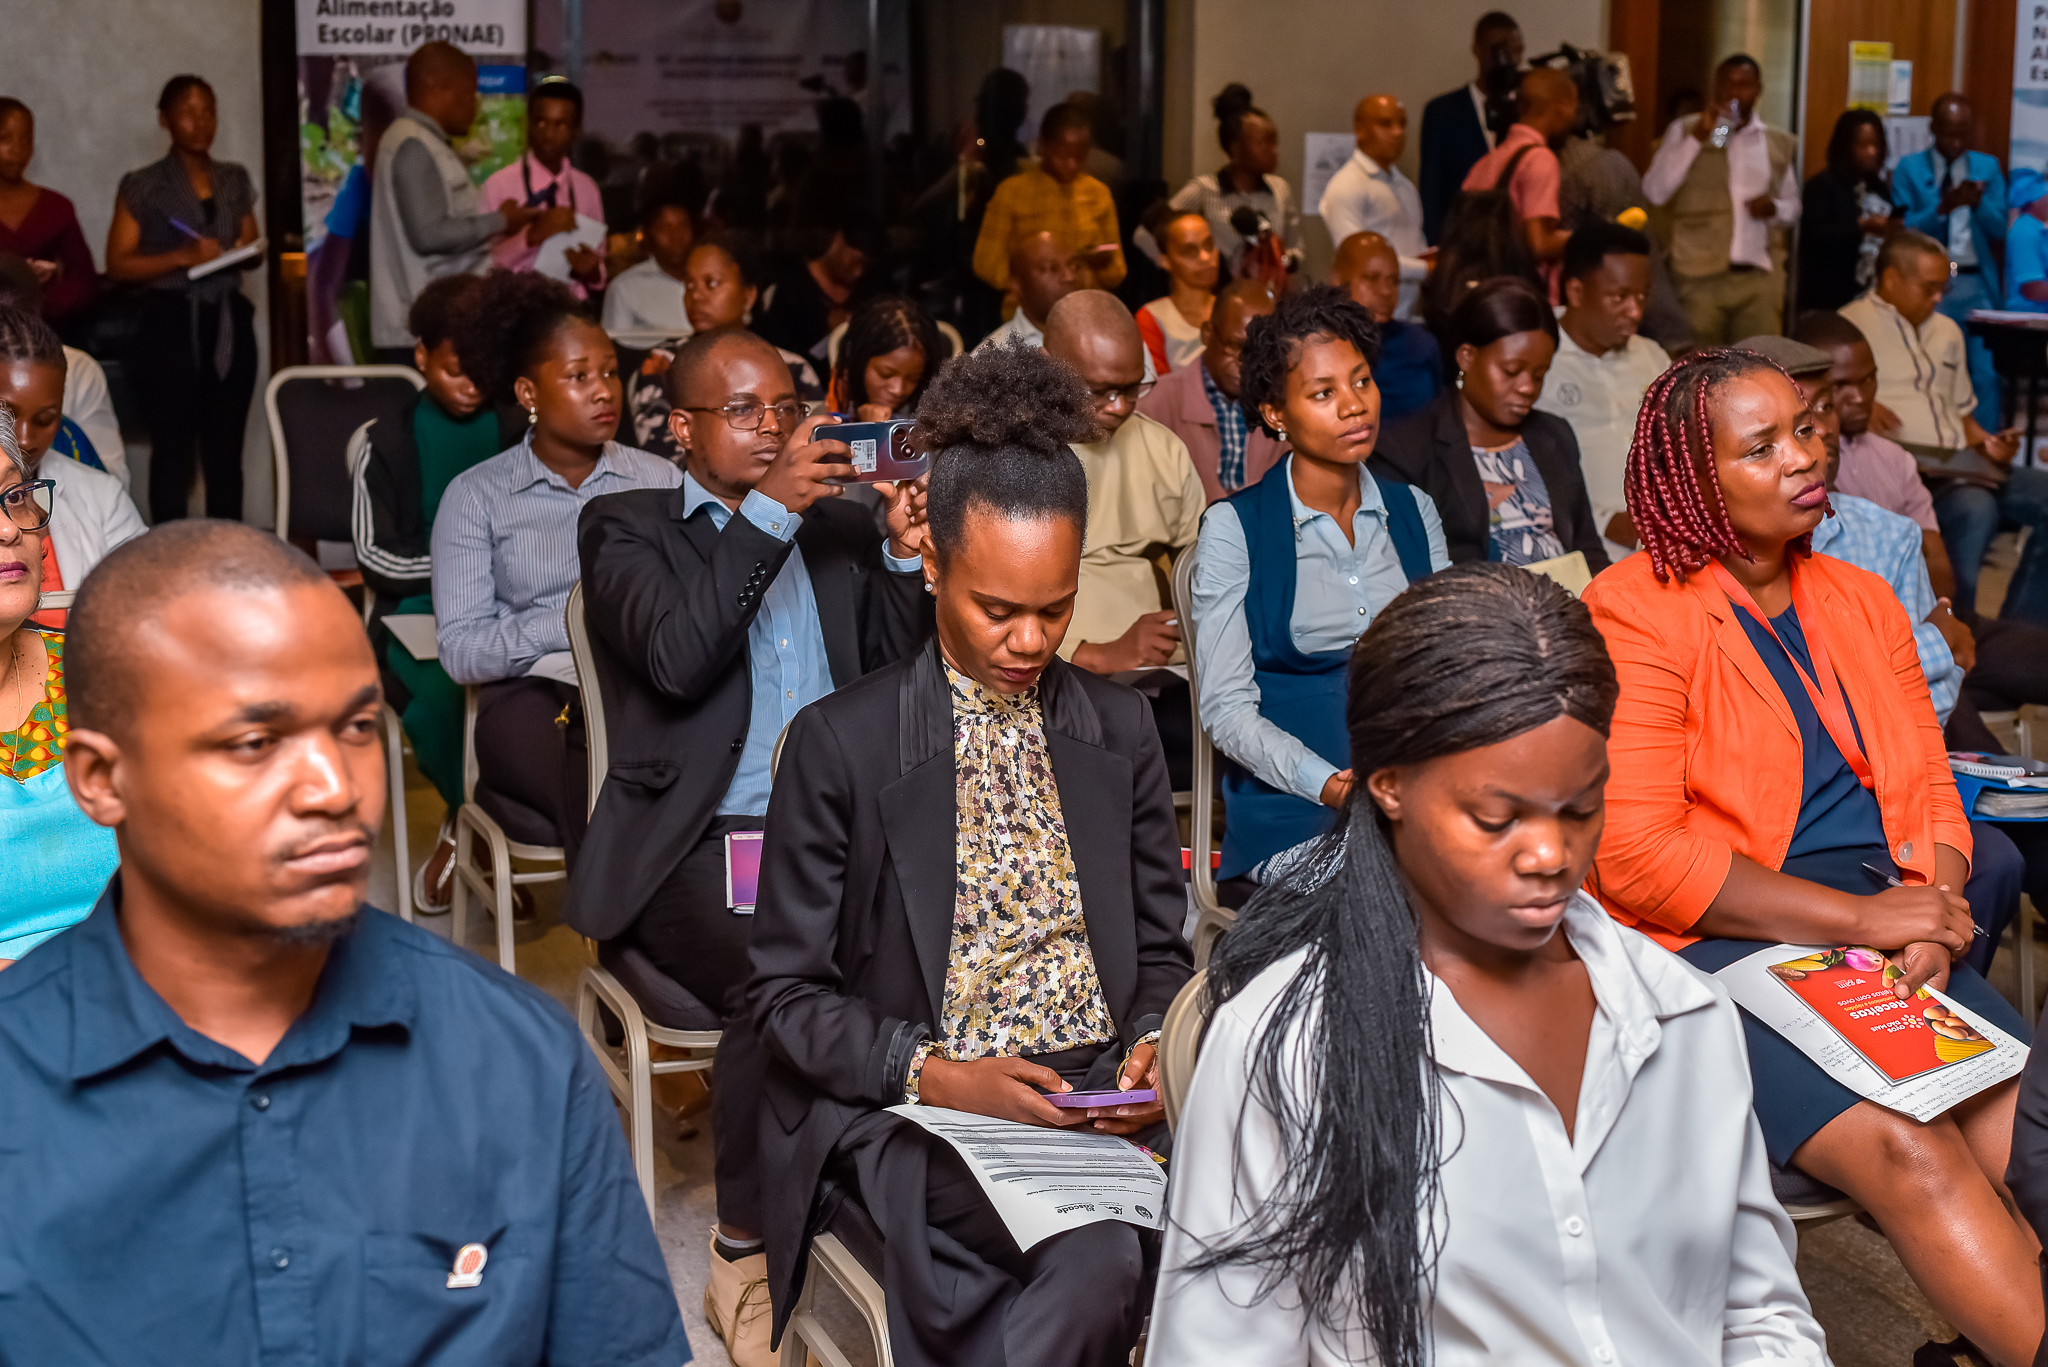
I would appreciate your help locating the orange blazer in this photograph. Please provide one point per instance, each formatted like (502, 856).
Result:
(1705, 754)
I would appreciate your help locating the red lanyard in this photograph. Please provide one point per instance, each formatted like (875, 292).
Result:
(1827, 698)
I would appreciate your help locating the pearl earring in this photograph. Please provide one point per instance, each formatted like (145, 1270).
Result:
(532, 416)
(931, 588)
(1461, 379)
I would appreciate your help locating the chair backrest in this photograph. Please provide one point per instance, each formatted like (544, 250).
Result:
(1202, 814)
(313, 411)
(587, 682)
(1180, 1041)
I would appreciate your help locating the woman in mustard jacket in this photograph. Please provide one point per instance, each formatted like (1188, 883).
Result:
(1775, 759)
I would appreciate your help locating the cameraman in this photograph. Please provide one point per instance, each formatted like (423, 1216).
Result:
(1461, 126)
(717, 610)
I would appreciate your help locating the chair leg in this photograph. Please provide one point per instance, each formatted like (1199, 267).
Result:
(400, 843)
(640, 1105)
(458, 895)
(501, 893)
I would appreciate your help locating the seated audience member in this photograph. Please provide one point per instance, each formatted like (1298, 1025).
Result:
(1738, 818)
(1925, 402)
(1957, 196)
(720, 286)
(1041, 274)
(58, 860)
(399, 471)
(1429, 1045)
(364, 1143)
(1289, 573)
(1198, 402)
(1172, 324)
(1059, 197)
(979, 794)
(503, 549)
(1846, 213)
(887, 359)
(1368, 194)
(38, 224)
(543, 181)
(692, 670)
(1410, 369)
(89, 431)
(823, 292)
(1504, 477)
(646, 301)
(1604, 365)
(91, 511)
(1462, 125)
(1526, 170)
(2026, 244)
(1251, 140)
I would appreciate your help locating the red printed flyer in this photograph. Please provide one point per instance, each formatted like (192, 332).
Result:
(1850, 988)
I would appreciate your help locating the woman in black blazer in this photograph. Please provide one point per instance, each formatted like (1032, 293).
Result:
(971, 894)
(1846, 212)
(1505, 478)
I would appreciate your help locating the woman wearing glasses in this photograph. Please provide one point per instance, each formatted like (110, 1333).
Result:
(58, 860)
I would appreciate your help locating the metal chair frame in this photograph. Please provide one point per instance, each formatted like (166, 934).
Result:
(806, 1335)
(631, 1068)
(1212, 918)
(280, 459)
(494, 886)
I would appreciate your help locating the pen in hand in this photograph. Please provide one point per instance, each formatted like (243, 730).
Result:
(1897, 882)
(181, 227)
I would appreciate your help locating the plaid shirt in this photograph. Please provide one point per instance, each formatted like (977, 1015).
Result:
(1233, 431)
(1888, 545)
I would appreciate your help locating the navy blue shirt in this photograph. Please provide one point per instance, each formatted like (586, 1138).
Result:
(164, 1200)
(1410, 372)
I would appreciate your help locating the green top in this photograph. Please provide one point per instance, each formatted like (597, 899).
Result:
(447, 446)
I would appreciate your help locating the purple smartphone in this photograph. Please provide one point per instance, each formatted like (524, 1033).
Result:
(881, 450)
(1084, 1100)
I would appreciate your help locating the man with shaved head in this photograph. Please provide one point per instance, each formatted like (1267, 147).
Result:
(717, 611)
(1368, 194)
(1043, 273)
(1198, 403)
(263, 1121)
(1410, 370)
(1525, 165)
(427, 218)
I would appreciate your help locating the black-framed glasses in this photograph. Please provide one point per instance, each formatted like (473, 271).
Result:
(1129, 393)
(746, 415)
(28, 505)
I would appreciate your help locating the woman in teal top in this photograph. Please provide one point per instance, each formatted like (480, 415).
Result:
(58, 861)
(2026, 244)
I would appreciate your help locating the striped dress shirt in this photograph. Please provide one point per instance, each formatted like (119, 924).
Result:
(504, 555)
(1888, 545)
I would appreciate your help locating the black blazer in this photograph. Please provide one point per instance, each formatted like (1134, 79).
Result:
(1831, 238)
(1431, 451)
(854, 926)
(1453, 141)
(669, 601)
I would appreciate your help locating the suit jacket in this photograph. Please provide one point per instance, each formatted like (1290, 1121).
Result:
(1919, 198)
(1431, 451)
(854, 924)
(1179, 401)
(1453, 141)
(669, 601)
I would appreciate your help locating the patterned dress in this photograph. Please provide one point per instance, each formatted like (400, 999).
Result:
(38, 743)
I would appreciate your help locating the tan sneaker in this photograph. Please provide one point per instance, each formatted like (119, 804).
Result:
(736, 1307)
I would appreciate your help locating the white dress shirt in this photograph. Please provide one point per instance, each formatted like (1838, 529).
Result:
(1647, 1235)
(645, 302)
(90, 514)
(87, 403)
(1600, 397)
(1339, 588)
(1479, 108)
(1366, 197)
(1749, 175)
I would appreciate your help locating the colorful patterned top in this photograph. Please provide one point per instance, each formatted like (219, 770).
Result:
(38, 744)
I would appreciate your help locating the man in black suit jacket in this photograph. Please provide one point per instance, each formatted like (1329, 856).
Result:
(1454, 135)
(716, 610)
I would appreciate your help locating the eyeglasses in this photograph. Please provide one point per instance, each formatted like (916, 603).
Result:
(744, 415)
(28, 505)
(1129, 393)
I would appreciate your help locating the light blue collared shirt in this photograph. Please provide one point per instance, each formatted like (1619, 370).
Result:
(1339, 587)
(505, 555)
(1888, 545)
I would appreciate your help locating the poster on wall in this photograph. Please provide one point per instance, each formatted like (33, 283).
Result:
(351, 86)
(2030, 87)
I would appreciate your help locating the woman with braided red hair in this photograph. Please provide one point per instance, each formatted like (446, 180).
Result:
(1776, 765)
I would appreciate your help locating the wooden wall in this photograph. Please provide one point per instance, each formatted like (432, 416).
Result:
(1987, 72)
(1920, 31)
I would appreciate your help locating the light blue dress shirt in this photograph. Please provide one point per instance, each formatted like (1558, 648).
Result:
(1888, 545)
(505, 555)
(1339, 588)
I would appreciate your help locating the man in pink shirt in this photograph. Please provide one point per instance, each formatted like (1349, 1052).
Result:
(543, 179)
(1548, 107)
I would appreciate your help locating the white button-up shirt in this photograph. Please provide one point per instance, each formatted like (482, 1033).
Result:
(1366, 197)
(1647, 1235)
(1749, 175)
(1600, 397)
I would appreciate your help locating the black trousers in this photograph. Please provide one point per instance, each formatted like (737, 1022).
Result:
(2026, 1172)
(530, 761)
(960, 1292)
(189, 408)
(692, 936)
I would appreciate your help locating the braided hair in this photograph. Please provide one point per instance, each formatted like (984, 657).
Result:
(1472, 656)
(879, 326)
(1673, 496)
(24, 336)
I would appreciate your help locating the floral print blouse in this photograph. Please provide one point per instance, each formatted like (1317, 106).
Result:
(37, 744)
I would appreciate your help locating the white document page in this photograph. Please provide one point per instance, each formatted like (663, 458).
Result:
(415, 631)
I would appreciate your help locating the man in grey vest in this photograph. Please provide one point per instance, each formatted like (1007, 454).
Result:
(1732, 193)
(425, 219)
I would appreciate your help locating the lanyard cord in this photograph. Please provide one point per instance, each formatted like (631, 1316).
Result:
(526, 180)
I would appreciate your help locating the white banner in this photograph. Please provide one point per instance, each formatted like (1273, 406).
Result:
(364, 28)
(2030, 86)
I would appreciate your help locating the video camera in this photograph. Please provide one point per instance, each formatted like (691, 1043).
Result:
(1607, 94)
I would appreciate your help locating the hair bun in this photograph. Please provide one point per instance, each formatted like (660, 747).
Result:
(1233, 99)
(1010, 398)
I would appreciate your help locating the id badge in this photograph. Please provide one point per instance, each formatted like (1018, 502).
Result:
(742, 870)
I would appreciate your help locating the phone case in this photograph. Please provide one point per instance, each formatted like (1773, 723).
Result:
(1084, 1100)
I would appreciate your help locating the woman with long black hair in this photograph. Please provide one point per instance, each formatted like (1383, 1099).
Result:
(1847, 211)
(1447, 1110)
(887, 358)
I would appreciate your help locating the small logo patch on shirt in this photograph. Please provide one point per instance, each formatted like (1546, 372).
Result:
(469, 1266)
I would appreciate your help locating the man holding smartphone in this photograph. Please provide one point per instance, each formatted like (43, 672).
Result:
(717, 611)
(1957, 197)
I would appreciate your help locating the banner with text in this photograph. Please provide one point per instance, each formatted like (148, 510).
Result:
(2030, 86)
